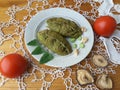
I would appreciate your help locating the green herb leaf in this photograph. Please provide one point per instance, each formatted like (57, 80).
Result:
(46, 57)
(80, 38)
(82, 45)
(32, 43)
(72, 40)
(37, 50)
(74, 45)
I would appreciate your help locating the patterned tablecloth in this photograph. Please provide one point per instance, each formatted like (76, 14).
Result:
(15, 14)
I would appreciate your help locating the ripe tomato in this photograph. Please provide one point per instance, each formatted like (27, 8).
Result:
(13, 65)
(104, 26)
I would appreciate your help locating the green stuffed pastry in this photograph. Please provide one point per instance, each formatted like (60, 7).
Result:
(54, 41)
(65, 27)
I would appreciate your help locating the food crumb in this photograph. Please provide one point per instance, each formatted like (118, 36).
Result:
(84, 40)
(76, 52)
(83, 29)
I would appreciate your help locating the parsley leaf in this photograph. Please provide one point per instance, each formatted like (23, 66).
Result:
(46, 57)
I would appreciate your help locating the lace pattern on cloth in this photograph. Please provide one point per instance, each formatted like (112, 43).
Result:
(15, 38)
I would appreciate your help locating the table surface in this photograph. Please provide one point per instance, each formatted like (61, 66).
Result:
(57, 84)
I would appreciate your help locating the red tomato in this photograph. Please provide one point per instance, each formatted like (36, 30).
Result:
(13, 65)
(104, 26)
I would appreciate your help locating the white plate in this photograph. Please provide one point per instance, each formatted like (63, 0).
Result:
(37, 22)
